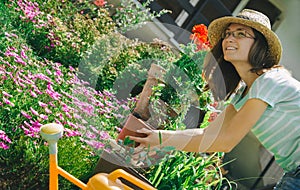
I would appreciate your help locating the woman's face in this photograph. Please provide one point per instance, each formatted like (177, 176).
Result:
(237, 41)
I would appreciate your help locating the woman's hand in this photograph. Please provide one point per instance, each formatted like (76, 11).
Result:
(154, 138)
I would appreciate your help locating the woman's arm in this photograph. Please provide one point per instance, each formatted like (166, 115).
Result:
(221, 135)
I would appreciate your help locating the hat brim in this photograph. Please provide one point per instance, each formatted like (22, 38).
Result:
(218, 26)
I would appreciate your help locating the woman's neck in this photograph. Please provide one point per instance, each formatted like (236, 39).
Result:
(246, 75)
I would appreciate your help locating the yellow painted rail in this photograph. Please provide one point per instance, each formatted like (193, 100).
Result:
(51, 133)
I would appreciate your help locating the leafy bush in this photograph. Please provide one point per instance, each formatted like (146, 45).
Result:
(134, 58)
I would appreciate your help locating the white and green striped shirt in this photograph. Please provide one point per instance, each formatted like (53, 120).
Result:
(278, 129)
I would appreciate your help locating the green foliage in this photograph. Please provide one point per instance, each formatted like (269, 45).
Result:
(131, 15)
(181, 170)
(192, 63)
(26, 166)
(130, 61)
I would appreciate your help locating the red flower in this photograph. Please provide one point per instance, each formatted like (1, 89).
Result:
(100, 3)
(199, 37)
(200, 29)
(212, 116)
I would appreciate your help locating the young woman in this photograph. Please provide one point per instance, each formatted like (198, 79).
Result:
(244, 65)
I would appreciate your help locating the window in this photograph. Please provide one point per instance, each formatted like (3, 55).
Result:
(187, 13)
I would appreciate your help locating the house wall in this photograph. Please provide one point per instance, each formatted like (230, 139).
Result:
(288, 32)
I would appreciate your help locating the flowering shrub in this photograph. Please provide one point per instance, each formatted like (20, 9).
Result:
(48, 92)
(35, 92)
(61, 35)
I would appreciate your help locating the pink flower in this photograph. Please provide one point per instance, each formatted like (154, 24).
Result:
(44, 117)
(212, 116)
(25, 114)
(20, 60)
(8, 102)
(90, 135)
(33, 94)
(4, 137)
(23, 54)
(48, 111)
(118, 129)
(100, 3)
(42, 104)
(68, 115)
(3, 146)
(70, 133)
(104, 135)
(71, 68)
(6, 94)
(34, 112)
(65, 108)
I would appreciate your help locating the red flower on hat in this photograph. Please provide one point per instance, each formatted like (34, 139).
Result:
(100, 3)
(199, 37)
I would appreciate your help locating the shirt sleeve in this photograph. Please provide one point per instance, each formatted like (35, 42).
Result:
(271, 87)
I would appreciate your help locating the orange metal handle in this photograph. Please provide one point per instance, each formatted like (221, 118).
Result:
(119, 173)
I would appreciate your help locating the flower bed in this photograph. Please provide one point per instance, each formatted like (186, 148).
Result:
(53, 71)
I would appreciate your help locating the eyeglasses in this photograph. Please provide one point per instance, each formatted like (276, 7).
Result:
(238, 34)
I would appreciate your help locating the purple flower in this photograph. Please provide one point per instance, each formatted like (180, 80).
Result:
(58, 73)
(68, 115)
(3, 146)
(8, 102)
(54, 95)
(20, 60)
(104, 135)
(72, 125)
(48, 71)
(71, 68)
(6, 94)
(25, 114)
(70, 133)
(34, 112)
(96, 145)
(43, 116)
(45, 78)
(48, 111)
(23, 54)
(65, 107)
(36, 123)
(90, 135)
(4, 137)
(33, 94)
(42, 104)
(52, 104)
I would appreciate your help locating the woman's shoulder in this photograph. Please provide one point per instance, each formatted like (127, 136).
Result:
(278, 76)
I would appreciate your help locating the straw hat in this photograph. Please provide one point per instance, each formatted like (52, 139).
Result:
(253, 19)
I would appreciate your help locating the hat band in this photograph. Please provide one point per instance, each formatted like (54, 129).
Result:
(244, 17)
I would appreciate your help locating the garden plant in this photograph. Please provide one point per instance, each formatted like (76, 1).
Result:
(52, 71)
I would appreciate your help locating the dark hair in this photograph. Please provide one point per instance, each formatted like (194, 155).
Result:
(222, 77)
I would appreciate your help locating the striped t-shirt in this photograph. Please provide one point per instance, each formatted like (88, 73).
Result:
(278, 129)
